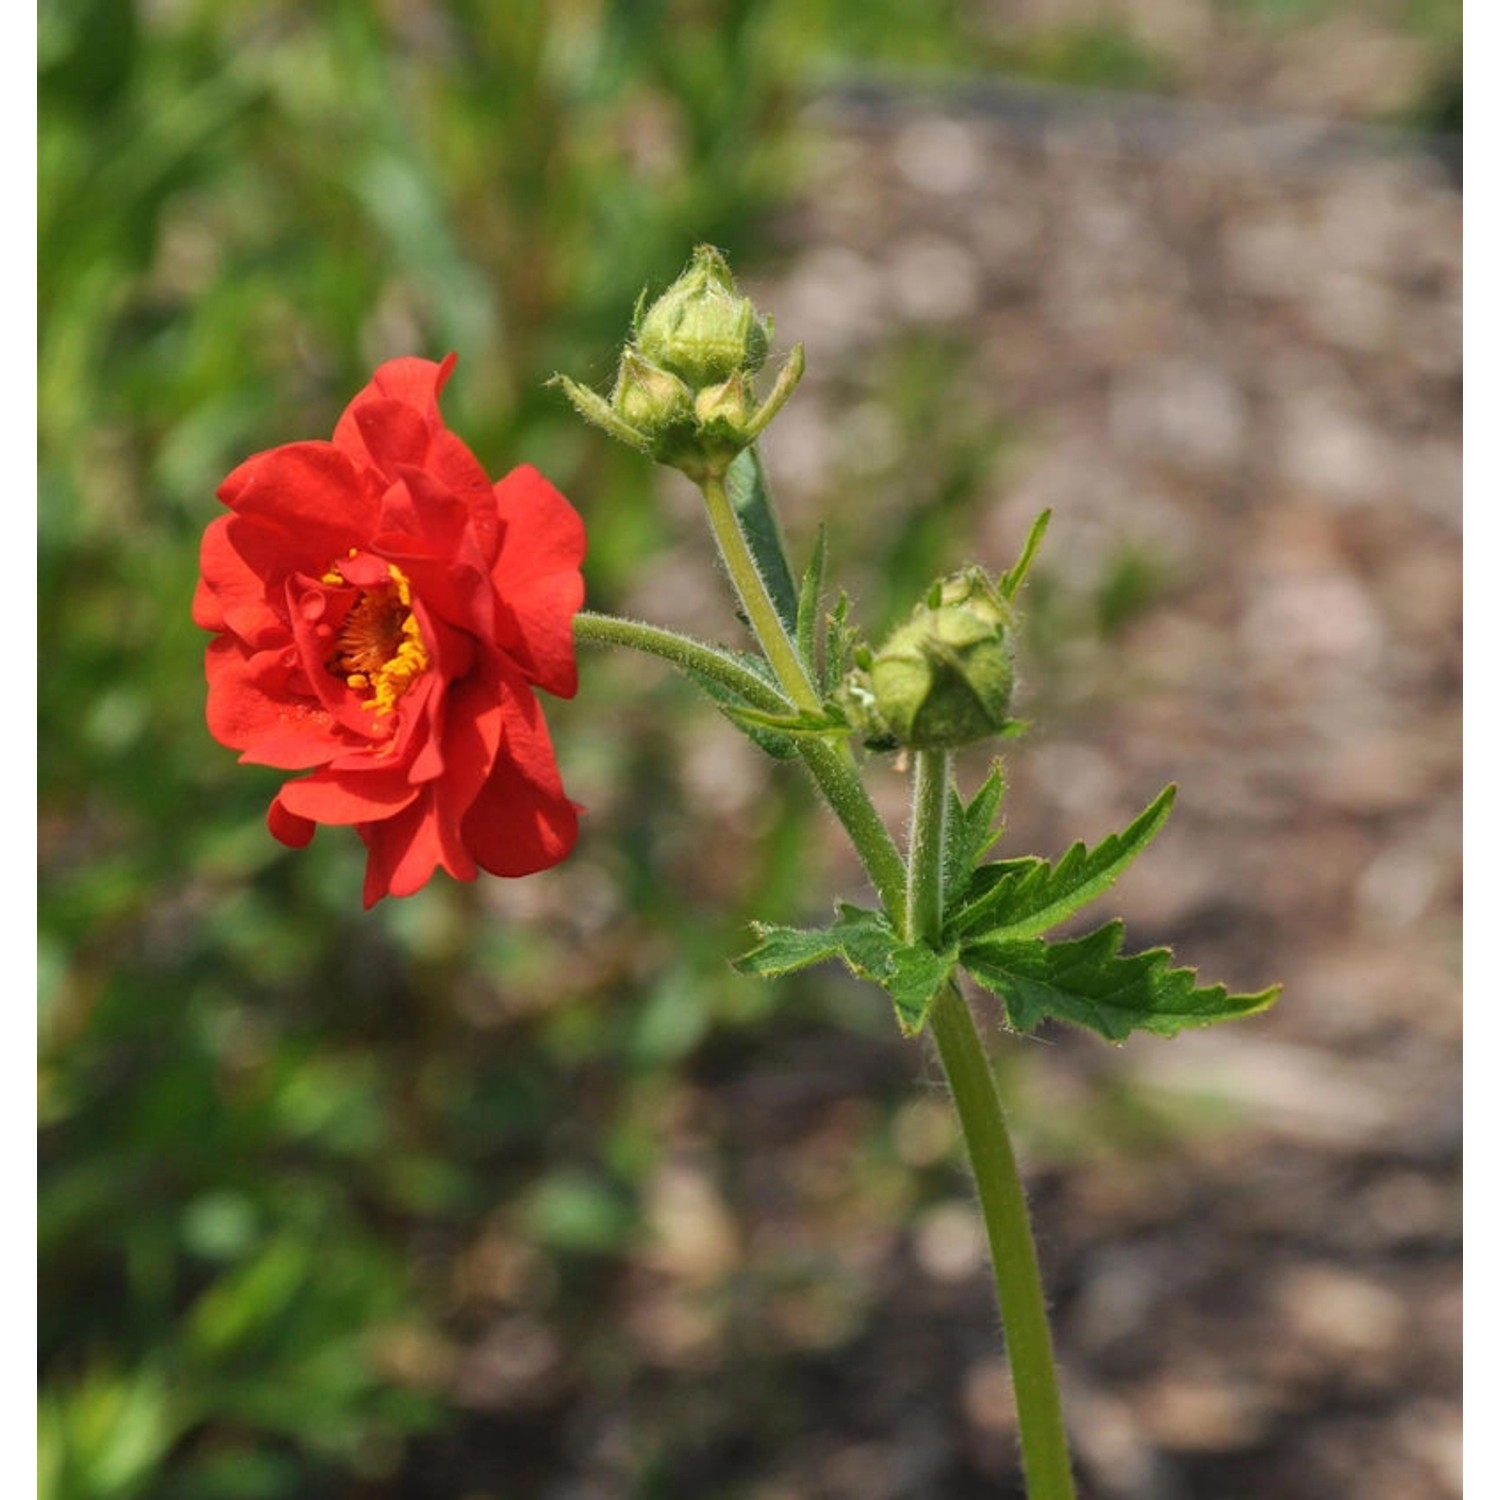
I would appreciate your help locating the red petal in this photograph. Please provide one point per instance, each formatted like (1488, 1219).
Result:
(543, 533)
(472, 733)
(393, 434)
(407, 849)
(298, 508)
(252, 706)
(521, 821)
(464, 475)
(230, 595)
(317, 610)
(537, 629)
(402, 854)
(207, 614)
(349, 796)
(413, 382)
(294, 832)
(537, 577)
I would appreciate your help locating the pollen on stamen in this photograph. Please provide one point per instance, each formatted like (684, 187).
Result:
(380, 646)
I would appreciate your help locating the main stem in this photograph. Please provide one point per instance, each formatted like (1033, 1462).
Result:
(1018, 1277)
(756, 598)
(831, 766)
(1002, 1198)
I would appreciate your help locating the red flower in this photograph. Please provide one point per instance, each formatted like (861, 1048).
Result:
(383, 613)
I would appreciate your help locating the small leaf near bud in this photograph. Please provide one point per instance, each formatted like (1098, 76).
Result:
(592, 407)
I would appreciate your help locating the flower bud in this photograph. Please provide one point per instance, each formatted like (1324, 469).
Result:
(701, 328)
(725, 408)
(945, 677)
(649, 399)
(684, 391)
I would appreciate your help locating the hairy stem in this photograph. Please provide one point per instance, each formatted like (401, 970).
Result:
(1002, 1198)
(683, 652)
(756, 598)
(1018, 1278)
(912, 893)
(839, 781)
(831, 766)
(929, 816)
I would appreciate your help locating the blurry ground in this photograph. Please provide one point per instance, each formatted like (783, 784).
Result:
(1232, 353)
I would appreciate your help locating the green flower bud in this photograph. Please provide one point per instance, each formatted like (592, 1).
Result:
(945, 677)
(725, 409)
(700, 328)
(649, 399)
(683, 392)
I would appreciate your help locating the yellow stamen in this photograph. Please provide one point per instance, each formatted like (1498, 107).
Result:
(380, 645)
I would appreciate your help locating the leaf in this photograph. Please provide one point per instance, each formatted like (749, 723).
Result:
(918, 974)
(1022, 898)
(750, 497)
(808, 602)
(971, 830)
(739, 712)
(820, 725)
(862, 938)
(838, 642)
(1010, 583)
(911, 973)
(1089, 983)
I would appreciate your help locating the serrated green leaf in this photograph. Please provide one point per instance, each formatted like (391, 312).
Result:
(911, 973)
(917, 975)
(809, 603)
(860, 937)
(1089, 983)
(1024, 898)
(971, 830)
(1010, 583)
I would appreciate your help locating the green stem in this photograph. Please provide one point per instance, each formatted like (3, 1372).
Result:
(929, 818)
(831, 766)
(1018, 1278)
(683, 652)
(756, 598)
(1002, 1198)
(839, 781)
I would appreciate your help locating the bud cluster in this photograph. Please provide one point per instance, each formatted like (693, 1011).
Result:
(683, 390)
(945, 677)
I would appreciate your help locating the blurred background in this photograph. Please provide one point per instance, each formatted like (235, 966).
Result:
(514, 1189)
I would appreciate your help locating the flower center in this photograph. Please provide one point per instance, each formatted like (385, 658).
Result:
(380, 646)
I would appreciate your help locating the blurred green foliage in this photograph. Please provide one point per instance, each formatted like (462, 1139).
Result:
(278, 1135)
